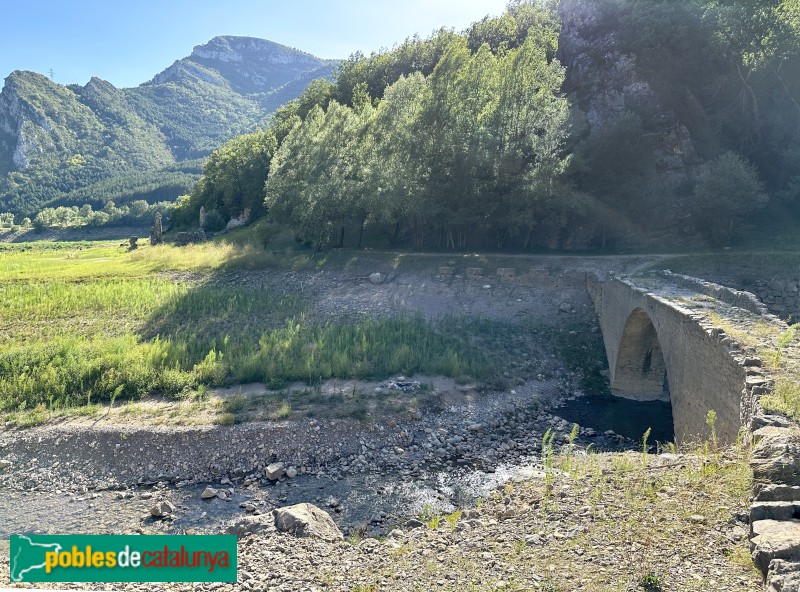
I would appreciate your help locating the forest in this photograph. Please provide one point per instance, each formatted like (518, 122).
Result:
(493, 138)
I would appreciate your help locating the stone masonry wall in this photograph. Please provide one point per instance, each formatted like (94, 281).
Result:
(704, 370)
(782, 297)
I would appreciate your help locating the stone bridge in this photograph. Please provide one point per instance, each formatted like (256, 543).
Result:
(665, 338)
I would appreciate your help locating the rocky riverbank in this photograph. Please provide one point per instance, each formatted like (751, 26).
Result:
(583, 522)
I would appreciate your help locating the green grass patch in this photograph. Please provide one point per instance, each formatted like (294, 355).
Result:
(84, 324)
(785, 398)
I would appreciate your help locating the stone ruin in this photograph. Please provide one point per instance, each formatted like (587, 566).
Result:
(157, 231)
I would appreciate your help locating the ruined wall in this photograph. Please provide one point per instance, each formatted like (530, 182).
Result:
(782, 297)
(703, 370)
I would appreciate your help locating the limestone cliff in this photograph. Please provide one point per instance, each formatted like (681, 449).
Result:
(603, 79)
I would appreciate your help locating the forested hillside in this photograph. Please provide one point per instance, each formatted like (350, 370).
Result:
(572, 124)
(91, 144)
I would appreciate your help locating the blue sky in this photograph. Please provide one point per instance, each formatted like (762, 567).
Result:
(127, 42)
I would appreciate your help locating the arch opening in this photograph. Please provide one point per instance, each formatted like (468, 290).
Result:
(640, 373)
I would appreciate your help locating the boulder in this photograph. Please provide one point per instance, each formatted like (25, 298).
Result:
(162, 509)
(774, 511)
(778, 493)
(376, 278)
(274, 471)
(527, 473)
(774, 539)
(209, 493)
(776, 456)
(307, 520)
(783, 576)
(251, 525)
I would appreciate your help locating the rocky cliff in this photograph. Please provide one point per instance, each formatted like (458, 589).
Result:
(250, 66)
(602, 76)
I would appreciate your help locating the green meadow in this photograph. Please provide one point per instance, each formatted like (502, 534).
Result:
(85, 323)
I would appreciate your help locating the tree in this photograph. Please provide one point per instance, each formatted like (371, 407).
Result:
(318, 176)
(726, 192)
(234, 176)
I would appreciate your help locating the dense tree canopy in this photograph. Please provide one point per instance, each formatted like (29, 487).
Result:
(476, 139)
(472, 152)
(233, 176)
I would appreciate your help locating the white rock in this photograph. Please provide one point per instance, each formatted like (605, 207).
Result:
(291, 472)
(162, 509)
(208, 493)
(307, 520)
(274, 471)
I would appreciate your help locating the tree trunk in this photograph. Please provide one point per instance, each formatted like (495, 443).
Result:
(753, 98)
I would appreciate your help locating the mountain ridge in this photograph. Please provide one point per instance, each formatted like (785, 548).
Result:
(57, 141)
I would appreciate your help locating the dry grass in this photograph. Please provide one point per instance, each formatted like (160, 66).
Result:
(615, 522)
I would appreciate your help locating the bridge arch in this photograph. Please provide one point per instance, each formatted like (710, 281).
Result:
(640, 372)
(648, 337)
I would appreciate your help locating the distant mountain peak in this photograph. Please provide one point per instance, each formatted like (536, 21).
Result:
(231, 48)
(226, 87)
(249, 65)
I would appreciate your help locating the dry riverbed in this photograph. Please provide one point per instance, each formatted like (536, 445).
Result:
(599, 522)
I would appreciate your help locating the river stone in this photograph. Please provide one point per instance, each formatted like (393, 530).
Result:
(251, 525)
(274, 471)
(565, 307)
(208, 493)
(783, 576)
(162, 509)
(524, 474)
(774, 539)
(307, 520)
(376, 278)
(776, 456)
(291, 472)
